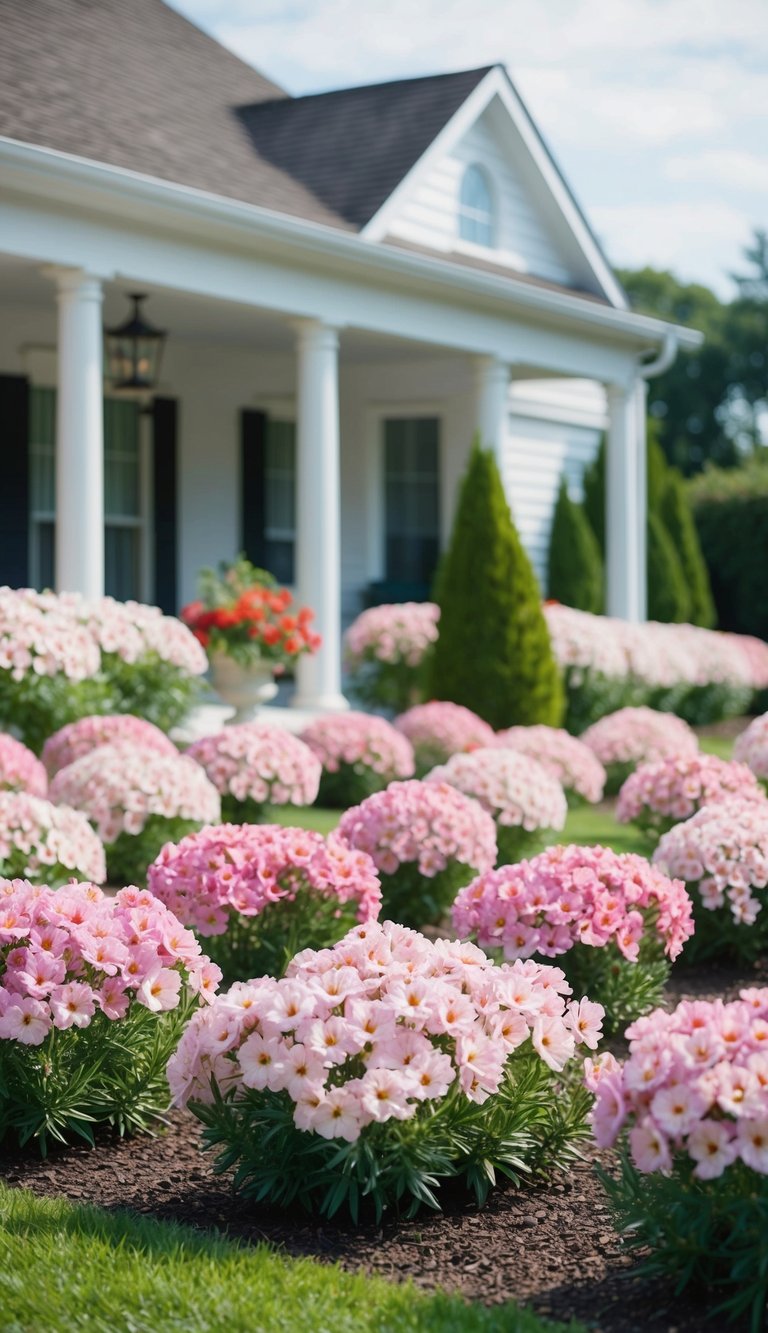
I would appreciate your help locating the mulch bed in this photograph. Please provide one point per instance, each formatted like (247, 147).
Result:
(552, 1246)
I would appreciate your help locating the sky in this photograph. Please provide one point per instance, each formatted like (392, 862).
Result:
(656, 110)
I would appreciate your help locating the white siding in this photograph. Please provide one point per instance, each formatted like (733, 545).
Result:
(526, 238)
(554, 428)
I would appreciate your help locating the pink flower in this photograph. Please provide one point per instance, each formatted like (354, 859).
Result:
(639, 735)
(362, 742)
(26, 1020)
(430, 823)
(79, 738)
(712, 1146)
(437, 730)
(565, 758)
(72, 1005)
(752, 1143)
(161, 991)
(513, 788)
(261, 763)
(385, 1093)
(649, 1148)
(661, 794)
(20, 769)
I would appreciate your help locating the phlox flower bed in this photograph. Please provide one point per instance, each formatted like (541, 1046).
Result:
(426, 839)
(63, 657)
(569, 760)
(252, 765)
(259, 893)
(20, 769)
(47, 844)
(610, 919)
(94, 993)
(722, 854)
(524, 799)
(360, 754)
(380, 1068)
(751, 747)
(87, 733)
(690, 1106)
(137, 800)
(385, 649)
(657, 796)
(437, 730)
(635, 736)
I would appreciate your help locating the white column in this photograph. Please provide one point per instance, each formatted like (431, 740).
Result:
(492, 403)
(625, 505)
(318, 523)
(79, 435)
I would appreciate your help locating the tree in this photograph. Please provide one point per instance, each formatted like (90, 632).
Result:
(493, 654)
(677, 515)
(575, 565)
(668, 598)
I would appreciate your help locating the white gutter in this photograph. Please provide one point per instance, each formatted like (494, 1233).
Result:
(70, 178)
(670, 347)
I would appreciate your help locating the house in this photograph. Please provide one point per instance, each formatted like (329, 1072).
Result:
(352, 284)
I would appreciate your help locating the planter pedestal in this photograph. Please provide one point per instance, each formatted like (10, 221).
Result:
(244, 688)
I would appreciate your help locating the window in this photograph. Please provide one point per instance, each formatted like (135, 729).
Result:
(123, 516)
(411, 499)
(280, 500)
(476, 221)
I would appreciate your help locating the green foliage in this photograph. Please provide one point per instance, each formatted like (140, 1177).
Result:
(35, 706)
(575, 566)
(150, 688)
(349, 785)
(710, 1235)
(531, 1125)
(75, 1267)
(626, 990)
(112, 1071)
(731, 514)
(677, 516)
(590, 695)
(514, 843)
(668, 597)
(391, 686)
(130, 854)
(263, 945)
(594, 495)
(493, 654)
(414, 900)
(718, 935)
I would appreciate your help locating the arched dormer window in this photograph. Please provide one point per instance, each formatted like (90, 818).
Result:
(476, 212)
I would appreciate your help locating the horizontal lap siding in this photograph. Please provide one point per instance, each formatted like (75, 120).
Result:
(428, 215)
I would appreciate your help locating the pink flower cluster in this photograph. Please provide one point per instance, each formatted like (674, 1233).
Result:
(751, 747)
(50, 633)
(574, 895)
(566, 758)
(659, 656)
(437, 730)
(695, 1083)
(78, 738)
(42, 642)
(723, 849)
(415, 1017)
(515, 790)
(661, 794)
(38, 840)
(119, 786)
(392, 633)
(68, 955)
(639, 736)
(264, 764)
(242, 868)
(429, 823)
(20, 769)
(362, 741)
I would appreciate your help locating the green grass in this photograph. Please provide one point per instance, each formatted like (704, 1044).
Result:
(305, 816)
(722, 746)
(66, 1269)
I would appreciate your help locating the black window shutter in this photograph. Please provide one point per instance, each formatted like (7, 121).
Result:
(164, 490)
(253, 453)
(14, 492)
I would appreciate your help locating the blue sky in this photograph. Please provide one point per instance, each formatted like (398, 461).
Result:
(657, 110)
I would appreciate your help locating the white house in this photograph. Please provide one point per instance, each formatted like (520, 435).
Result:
(352, 284)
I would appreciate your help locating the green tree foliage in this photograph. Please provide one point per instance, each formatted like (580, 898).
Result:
(668, 597)
(494, 654)
(594, 495)
(677, 516)
(575, 565)
(731, 513)
(710, 402)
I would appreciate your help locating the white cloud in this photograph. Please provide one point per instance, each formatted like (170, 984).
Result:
(698, 244)
(721, 167)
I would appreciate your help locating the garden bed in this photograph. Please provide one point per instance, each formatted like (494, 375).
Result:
(552, 1246)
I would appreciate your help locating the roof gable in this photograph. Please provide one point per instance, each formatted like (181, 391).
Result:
(352, 147)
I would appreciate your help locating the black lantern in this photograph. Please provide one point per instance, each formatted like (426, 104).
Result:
(133, 352)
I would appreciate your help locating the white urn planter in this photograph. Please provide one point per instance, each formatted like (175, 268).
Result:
(244, 688)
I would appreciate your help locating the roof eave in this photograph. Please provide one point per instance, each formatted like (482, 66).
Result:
(66, 177)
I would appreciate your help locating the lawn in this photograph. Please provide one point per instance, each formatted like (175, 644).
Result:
(75, 1269)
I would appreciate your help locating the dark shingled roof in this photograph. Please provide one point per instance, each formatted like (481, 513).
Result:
(134, 84)
(352, 147)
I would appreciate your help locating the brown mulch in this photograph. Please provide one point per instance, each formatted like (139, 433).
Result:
(552, 1246)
